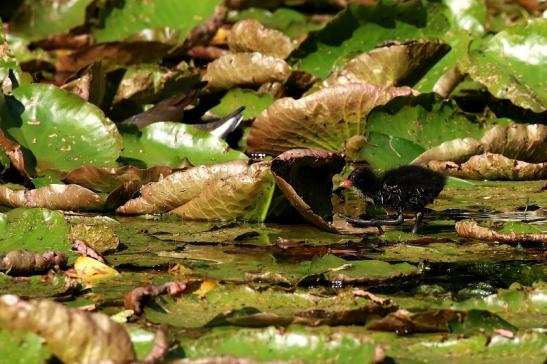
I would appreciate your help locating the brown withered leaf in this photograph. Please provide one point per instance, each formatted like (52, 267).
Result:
(108, 179)
(179, 188)
(405, 322)
(471, 229)
(14, 153)
(26, 262)
(455, 150)
(249, 35)
(245, 69)
(72, 335)
(138, 297)
(493, 167)
(305, 177)
(321, 120)
(390, 65)
(245, 196)
(518, 141)
(54, 197)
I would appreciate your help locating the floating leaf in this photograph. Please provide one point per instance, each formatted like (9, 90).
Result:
(517, 141)
(91, 270)
(245, 69)
(253, 101)
(173, 144)
(322, 120)
(63, 131)
(28, 263)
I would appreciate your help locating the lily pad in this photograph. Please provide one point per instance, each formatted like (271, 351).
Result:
(122, 22)
(512, 64)
(173, 144)
(62, 131)
(253, 101)
(245, 69)
(251, 36)
(322, 120)
(244, 306)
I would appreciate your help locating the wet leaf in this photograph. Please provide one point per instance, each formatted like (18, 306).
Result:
(470, 229)
(245, 69)
(250, 36)
(62, 131)
(108, 179)
(390, 65)
(456, 150)
(322, 120)
(511, 64)
(52, 285)
(54, 197)
(173, 144)
(36, 230)
(244, 306)
(405, 322)
(271, 343)
(14, 153)
(23, 347)
(92, 337)
(98, 236)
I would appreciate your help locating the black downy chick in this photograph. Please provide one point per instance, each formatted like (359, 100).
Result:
(401, 189)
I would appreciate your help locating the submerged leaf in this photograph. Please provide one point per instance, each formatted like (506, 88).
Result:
(74, 336)
(322, 120)
(245, 69)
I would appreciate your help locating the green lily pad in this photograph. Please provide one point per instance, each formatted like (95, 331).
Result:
(133, 17)
(36, 230)
(23, 347)
(62, 131)
(172, 144)
(512, 64)
(38, 19)
(361, 28)
(52, 285)
(244, 306)
(296, 343)
(253, 101)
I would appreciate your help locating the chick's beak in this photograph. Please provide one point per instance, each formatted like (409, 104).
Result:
(346, 183)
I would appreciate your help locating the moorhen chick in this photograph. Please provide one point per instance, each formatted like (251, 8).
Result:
(401, 189)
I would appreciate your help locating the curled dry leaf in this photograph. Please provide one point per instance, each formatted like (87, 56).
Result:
(108, 179)
(322, 120)
(250, 36)
(470, 229)
(244, 69)
(179, 188)
(405, 322)
(81, 247)
(14, 153)
(391, 65)
(243, 196)
(138, 297)
(305, 177)
(492, 166)
(455, 150)
(72, 335)
(54, 197)
(518, 141)
(28, 263)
